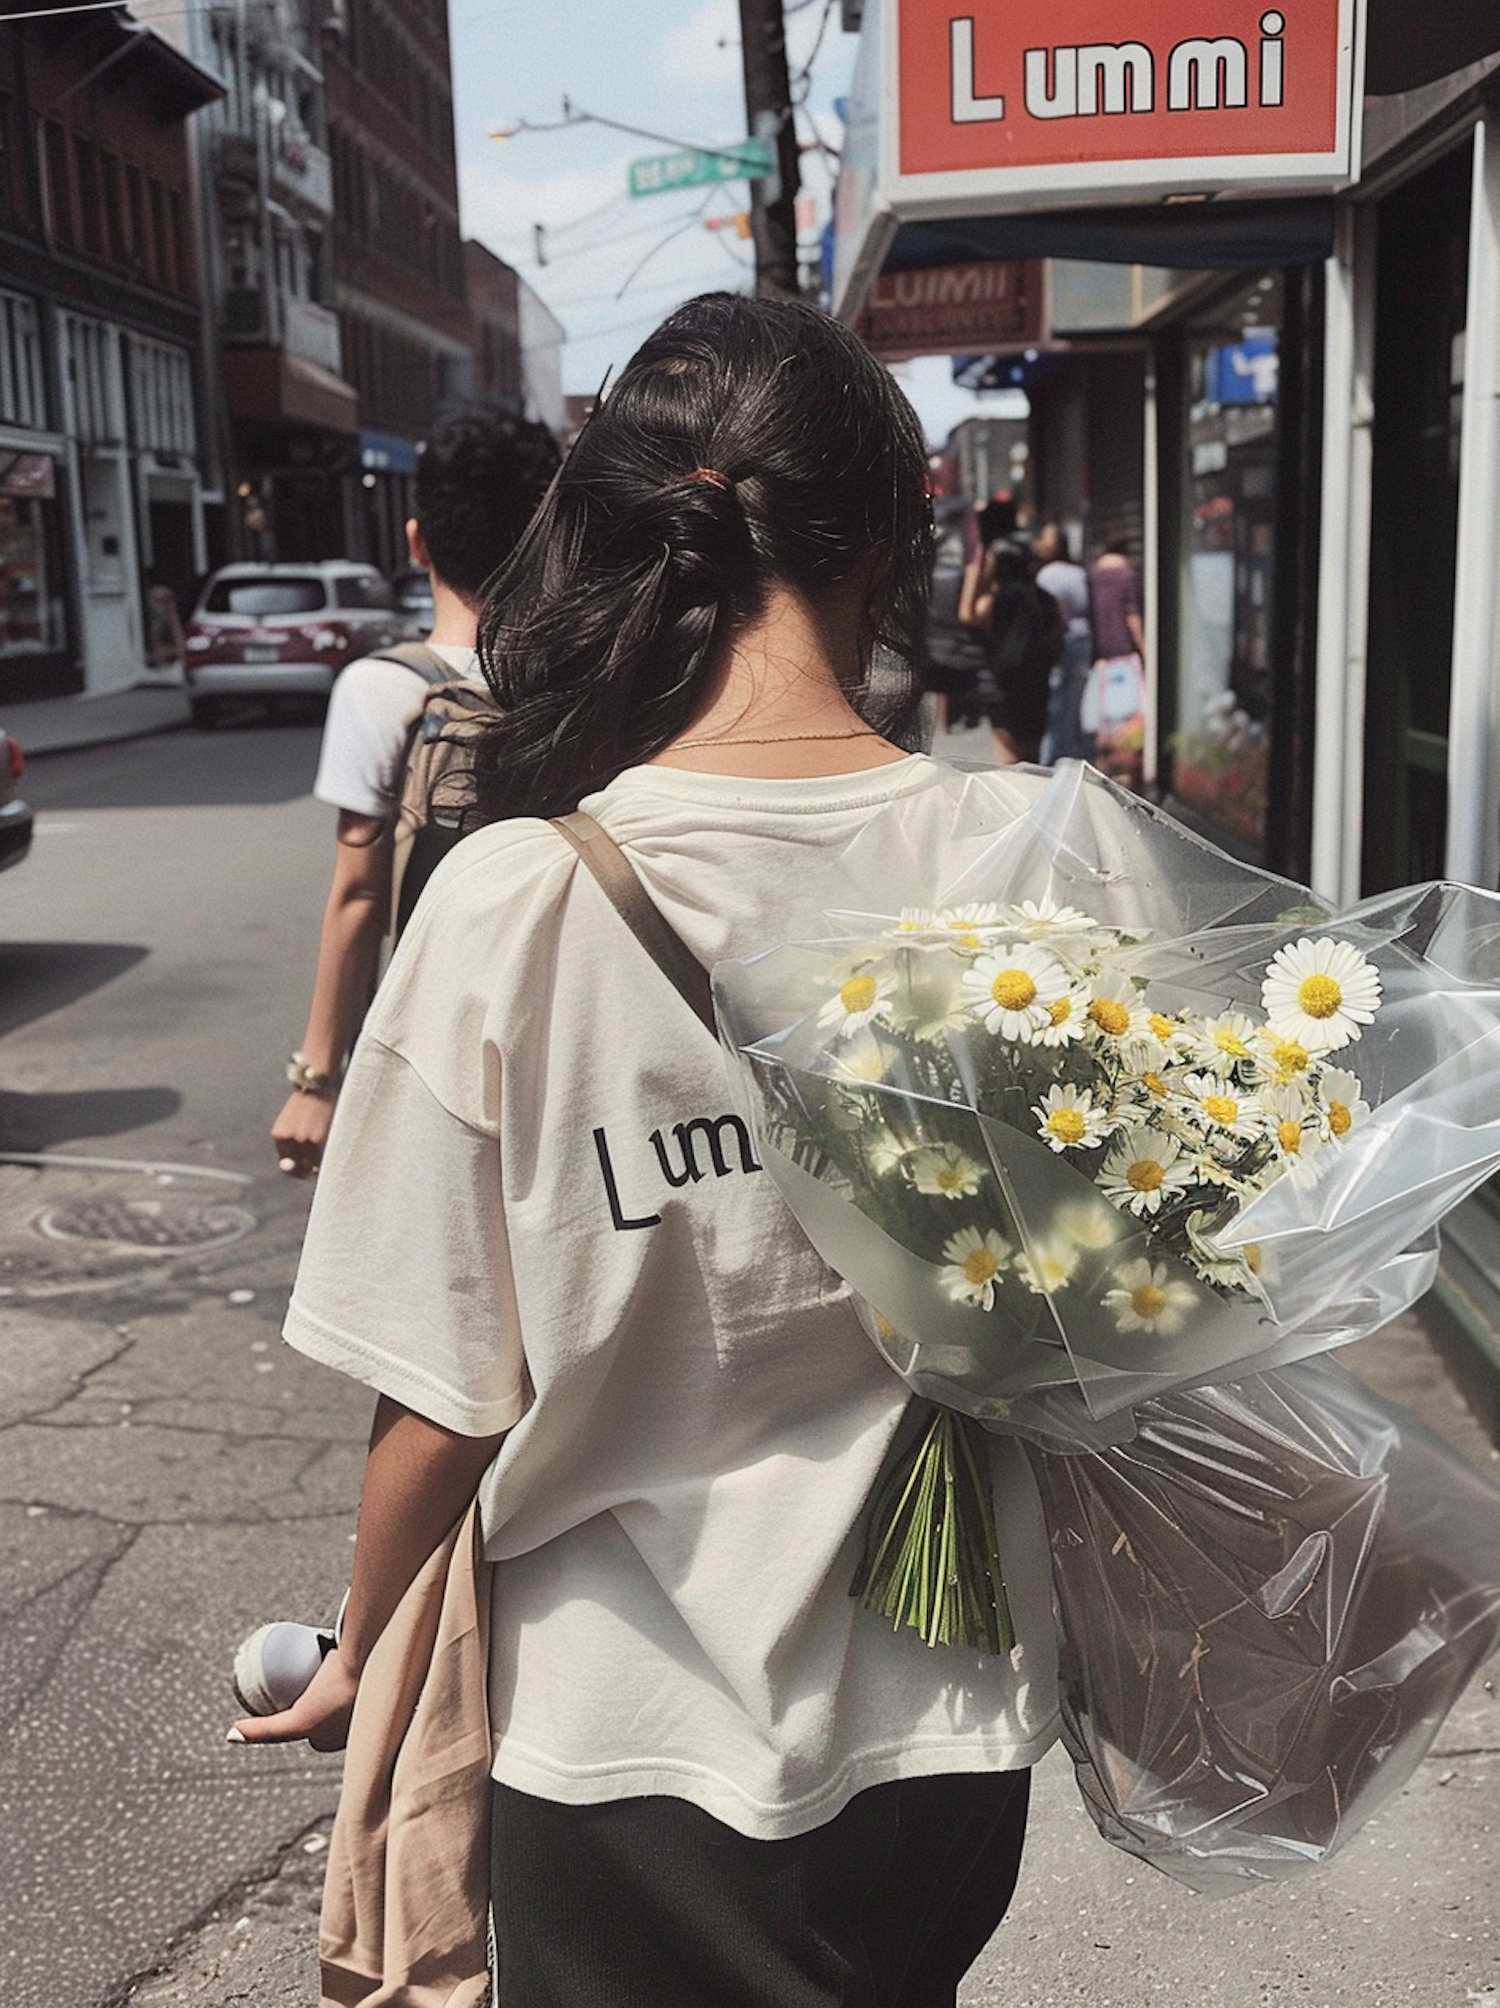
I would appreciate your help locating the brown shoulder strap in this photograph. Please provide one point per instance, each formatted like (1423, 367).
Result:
(640, 913)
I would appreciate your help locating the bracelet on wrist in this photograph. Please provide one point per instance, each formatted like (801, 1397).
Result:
(308, 1080)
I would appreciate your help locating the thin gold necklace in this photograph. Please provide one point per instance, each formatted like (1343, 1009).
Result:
(775, 739)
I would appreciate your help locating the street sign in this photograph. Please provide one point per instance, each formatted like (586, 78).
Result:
(694, 167)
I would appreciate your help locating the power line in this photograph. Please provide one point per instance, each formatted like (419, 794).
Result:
(574, 115)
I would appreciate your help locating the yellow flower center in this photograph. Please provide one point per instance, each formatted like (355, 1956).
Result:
(1146, 1174)
(1231, 1043)
(1162, 1027)
(858, 994)
(1288, 1058)
(1339, 1119)
(1319, 996)
(970, 940)
(1067, 1125)
(1148, 1300)
(1110, 1016)
(1061, 1011)
(1013, 990)
(952, 1178)
(1155, 1085)
(1255, 1257)
(1289, 1135)
(980, 1267)
(1221, 1109)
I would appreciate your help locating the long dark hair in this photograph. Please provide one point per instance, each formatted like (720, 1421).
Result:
(601, 636)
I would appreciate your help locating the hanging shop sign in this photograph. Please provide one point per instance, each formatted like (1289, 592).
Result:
(965, 108)
(953, 308)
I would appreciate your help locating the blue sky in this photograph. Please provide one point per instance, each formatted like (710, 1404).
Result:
(616, 265)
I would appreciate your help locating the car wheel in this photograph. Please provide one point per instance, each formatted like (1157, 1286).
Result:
(206, 712)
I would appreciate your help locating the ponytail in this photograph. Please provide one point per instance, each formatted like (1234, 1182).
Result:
(748, 442)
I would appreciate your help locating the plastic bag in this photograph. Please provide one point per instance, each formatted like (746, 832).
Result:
(1269, 1599)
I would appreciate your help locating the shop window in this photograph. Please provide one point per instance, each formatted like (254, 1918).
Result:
(1221, 750)
(31, 602)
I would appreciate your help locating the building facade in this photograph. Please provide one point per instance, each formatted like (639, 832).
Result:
(102, 464)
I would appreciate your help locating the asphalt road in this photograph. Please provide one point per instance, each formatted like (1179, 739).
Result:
(170, 1475)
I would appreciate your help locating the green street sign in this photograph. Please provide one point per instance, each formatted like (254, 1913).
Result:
(749, 160)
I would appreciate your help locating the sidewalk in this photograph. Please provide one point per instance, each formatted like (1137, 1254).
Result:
(64, 724)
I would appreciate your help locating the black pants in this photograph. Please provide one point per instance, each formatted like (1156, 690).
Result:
(651, 1903)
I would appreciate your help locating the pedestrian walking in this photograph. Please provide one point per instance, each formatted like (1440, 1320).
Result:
(541, 1235)
(1114, 700)
(1023, 630)
(1068, 583)
(479, 479)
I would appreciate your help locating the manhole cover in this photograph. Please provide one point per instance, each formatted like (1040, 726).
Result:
(146, 1224)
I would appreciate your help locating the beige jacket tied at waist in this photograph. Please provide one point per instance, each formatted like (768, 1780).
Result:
(406, 1902)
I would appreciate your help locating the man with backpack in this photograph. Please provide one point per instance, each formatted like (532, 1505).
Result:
(478, 482)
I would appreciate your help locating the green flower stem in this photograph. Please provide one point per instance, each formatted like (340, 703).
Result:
(931, 1559)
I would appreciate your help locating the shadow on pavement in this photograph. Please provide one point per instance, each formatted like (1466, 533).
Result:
(36, 1122)
(41, 976)
(247, 761)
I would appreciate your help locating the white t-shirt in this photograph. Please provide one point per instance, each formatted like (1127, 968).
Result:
(1069, 586)
(539, 1213)
(364, 737)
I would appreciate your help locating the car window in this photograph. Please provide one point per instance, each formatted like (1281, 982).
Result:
(363, 590)
(264, 596)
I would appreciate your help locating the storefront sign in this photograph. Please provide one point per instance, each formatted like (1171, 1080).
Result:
(954, 308)
(967, 108)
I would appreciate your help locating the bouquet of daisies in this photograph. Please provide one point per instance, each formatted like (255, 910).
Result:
(1105, 1115)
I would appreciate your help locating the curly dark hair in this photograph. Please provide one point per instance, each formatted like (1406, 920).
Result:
(601, 638)
(479, 479)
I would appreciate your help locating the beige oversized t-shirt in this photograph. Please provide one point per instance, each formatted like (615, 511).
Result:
(540, 1212)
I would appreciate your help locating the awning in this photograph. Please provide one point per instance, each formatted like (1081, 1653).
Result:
(1190, 237)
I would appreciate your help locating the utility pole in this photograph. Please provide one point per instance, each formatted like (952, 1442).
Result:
(768, 115)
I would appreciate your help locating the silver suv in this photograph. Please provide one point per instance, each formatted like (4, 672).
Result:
(276, 631)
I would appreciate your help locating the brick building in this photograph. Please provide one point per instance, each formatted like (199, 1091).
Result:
(398, 257)
(101, 465)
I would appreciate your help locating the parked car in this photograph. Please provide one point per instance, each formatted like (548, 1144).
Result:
(283, 631)
(15, 816)
(413, 592)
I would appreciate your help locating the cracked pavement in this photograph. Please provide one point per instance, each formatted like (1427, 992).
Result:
(171, 1476)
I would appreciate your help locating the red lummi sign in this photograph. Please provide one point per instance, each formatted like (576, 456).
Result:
(987, 84)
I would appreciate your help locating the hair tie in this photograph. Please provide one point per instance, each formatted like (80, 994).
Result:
(712, 474)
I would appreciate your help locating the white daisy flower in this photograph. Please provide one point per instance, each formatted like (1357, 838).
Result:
(1040, 917)
(1148, 1094)
(1222, 1042)
(1069, 1019)
(1088, 1226)
(975, 1261)
(1013, 990)
(861, 1058)
(1294, 1125)
(1228, 1267)
(944, 1171)
(1048, 1265)
(1341, 1106)
(1148, 1298)
(1170, 1033)
(916, 920)
(1116, 1013)
(1143, 1169)
(1220, 1108)
(1281, 1061)
(1320, 993)
(863, 995)
(1068, 1120)
(927, 1000)
(888, 1155)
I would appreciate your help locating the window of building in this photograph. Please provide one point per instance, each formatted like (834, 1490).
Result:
(59, 182)
(22, 382)
(32, 613)
(162, 415)
(1221, 754)
(135, 212)
(177, 238)
(114, 209)
(157, 203)
(90, 202)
